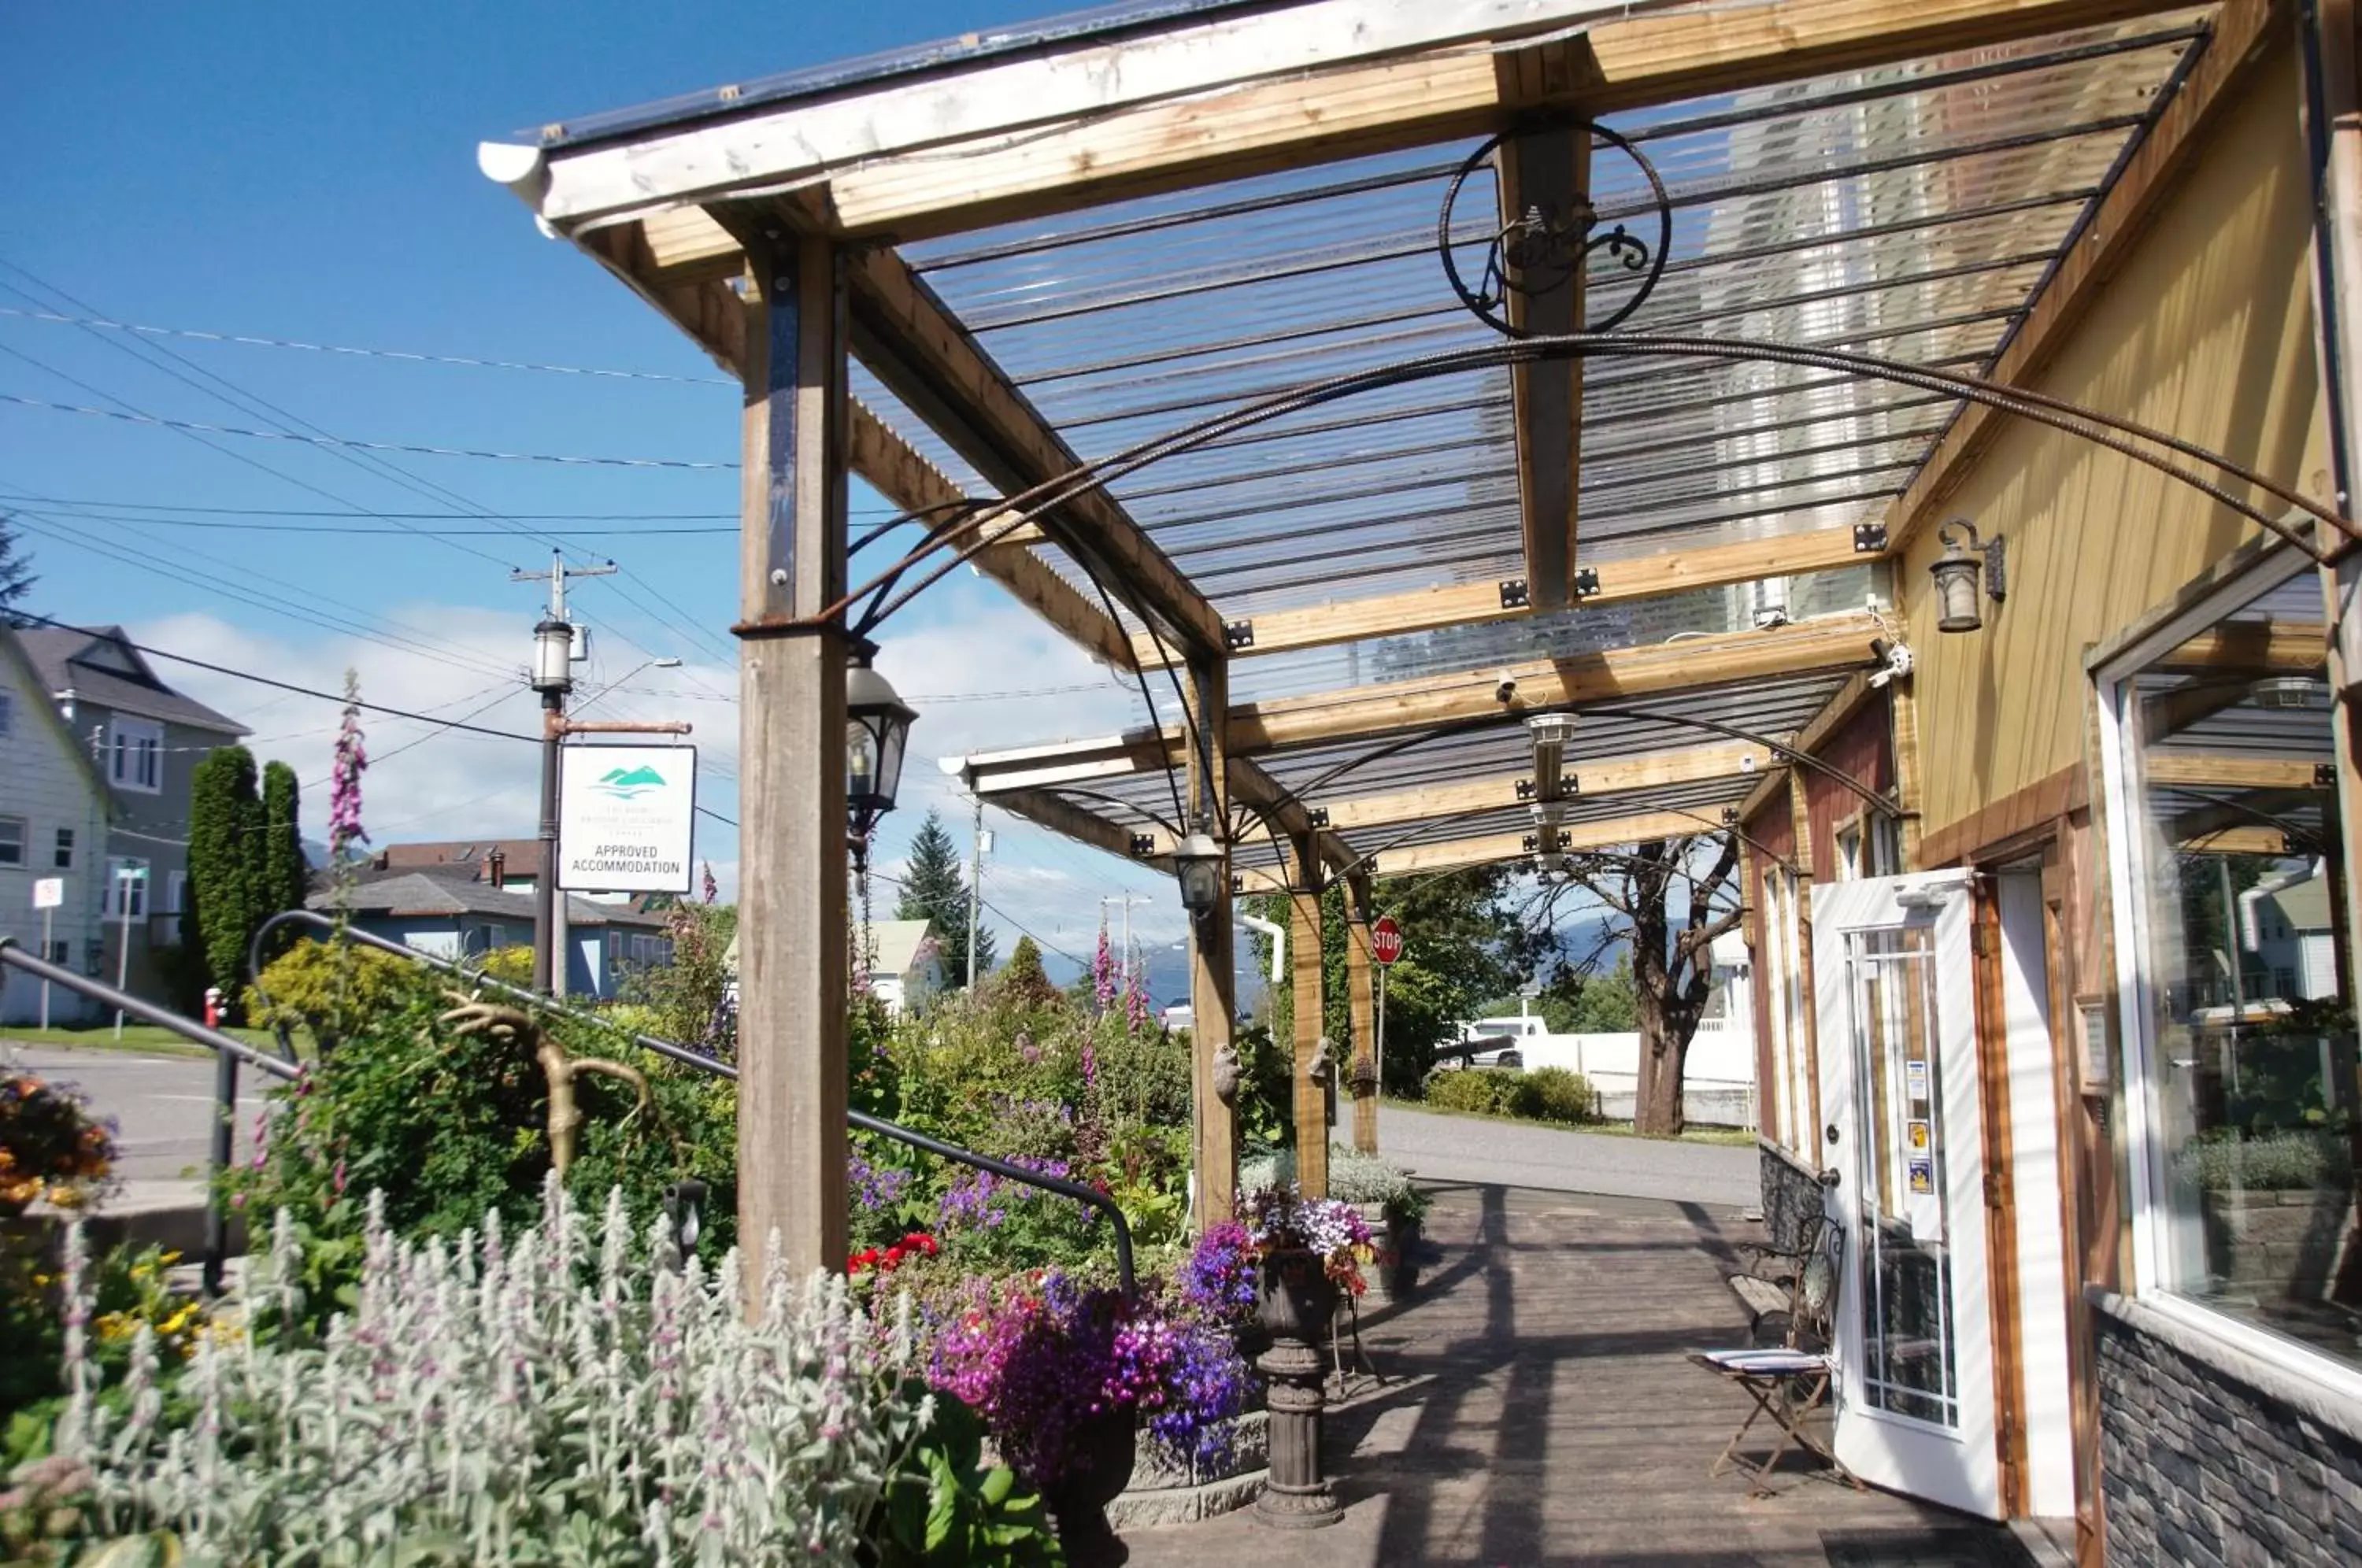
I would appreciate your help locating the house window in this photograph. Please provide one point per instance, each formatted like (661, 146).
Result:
(62, 857)
(135, 755)
(12, 841)
(1869, 843)
(2241, 1076)
(7, 712)
(61, 951)
(176, 896)
(126, 887)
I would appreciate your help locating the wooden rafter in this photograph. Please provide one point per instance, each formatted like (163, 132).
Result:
(1485, 849)
(1546, 172)
(1835, 642)
(912, 342)
(681, 265)
(1620, 581)
(1500, 792)
(2241, 30)
(2200, 770)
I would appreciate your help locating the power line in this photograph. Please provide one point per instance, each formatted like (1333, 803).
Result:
(350, 532)
(350, 445)
(250, 341)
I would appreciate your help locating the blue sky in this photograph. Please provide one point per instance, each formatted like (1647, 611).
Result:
(307, 174)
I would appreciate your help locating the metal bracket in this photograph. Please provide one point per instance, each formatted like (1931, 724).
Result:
(1238, 884)
(1586, 583)
(1525, 789)
(1996, 577)
(1317, 815)
(1514, 595)
(1730, 816)
(1143, 844)
(1869, 538)
(1237, 635)
(2324, 776)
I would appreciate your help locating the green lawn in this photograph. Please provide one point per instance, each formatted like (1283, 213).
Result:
(1734, 1136)
(146, 1039)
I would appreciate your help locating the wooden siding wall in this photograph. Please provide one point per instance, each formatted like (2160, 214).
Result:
(1862, 749)
(2207, 332)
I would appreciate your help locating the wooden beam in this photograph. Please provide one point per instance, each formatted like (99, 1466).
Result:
(1461, 604)
(1486, 849)
(1251, 127)
(1546, 173)
(1250, 785)
(914, 343)
(1084, 826)
(1828, 643)
(910, 483)
(2242, 30)
(2197, 770)
(1359, 967)
(1213, 986)
(2249, 840)
(793, 978)
(1655, 770)
(1308, 969)
(1073, 762)
(2260, 647)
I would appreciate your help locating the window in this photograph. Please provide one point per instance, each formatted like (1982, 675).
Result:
(61, 951)
(62, 857)
(135, 755)
(177, 893)
(126, 888)
(2242, 1082)
(1869, 843)
(7, 712)
(12, 841)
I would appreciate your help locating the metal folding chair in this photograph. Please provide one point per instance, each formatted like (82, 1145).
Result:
(1789, 1384)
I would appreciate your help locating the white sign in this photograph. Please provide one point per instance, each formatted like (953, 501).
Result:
(625, 818)
(49, 893)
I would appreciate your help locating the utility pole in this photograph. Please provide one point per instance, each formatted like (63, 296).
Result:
(553, 677)
(1127, 900)
(981, 842)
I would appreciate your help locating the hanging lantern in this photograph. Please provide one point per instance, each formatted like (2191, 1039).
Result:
(1198, 862)
(876, 729)
(1550, 732)
(1961, 572)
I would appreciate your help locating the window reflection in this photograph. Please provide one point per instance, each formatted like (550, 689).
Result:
(2251, 1063)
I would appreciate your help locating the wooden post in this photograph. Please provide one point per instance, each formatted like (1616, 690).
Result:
(1213, 990)
(1359, 973)
(1910, 791)
(791, 903)
(1306, 963)
(1808, 1026)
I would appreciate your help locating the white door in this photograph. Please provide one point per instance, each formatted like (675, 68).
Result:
(1894, 984)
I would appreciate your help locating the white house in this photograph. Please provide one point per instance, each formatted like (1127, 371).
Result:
(53, 823)
(906, 965)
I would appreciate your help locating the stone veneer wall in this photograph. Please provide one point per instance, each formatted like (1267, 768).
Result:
(2211, 1456)
(1791, 1196)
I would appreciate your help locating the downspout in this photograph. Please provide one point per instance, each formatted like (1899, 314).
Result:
(1278, 935)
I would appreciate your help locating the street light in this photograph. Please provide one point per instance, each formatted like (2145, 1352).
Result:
(1551, 734)
(876, 728)
(1197, 863)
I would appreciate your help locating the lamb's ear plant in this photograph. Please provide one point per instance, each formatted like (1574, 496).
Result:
(570, 1393)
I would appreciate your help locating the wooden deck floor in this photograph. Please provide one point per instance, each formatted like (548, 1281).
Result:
(1537, 1409)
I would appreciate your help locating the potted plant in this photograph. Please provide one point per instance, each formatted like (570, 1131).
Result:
(1311, 1250)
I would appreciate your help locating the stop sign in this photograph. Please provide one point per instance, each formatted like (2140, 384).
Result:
(1386, 940)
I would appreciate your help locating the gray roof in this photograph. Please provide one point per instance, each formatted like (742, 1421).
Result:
(456, 892)
(99, 664)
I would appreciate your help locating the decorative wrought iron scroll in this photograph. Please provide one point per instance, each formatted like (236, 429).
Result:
(1545, 248)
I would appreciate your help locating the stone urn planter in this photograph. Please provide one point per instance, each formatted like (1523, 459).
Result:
(1295, 1301)
(1104, 1449)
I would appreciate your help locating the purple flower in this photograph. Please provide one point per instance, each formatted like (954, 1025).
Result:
(1218, 1277)
(1103, 971)
(345, 778)
(875, 1186)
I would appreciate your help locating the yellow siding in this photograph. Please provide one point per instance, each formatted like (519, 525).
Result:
(2205, 332)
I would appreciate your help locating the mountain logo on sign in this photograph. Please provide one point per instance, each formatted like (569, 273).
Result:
(629, 783)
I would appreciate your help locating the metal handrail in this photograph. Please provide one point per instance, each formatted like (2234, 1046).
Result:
(228, 1051)
(690, 1057)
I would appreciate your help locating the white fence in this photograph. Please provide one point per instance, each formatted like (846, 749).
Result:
(1718, 1081)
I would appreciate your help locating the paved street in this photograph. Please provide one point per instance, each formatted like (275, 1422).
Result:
(1537, 1409)
(1513, 1153)
(162, 1106)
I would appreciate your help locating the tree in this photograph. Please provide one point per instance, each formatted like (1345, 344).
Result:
(1024, 982)
(285, 879)
(1672, 961)
(16, 577)
(226, 857)
(934, 889)
(1583, 1001)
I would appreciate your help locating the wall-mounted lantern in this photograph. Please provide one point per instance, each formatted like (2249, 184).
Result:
(1960, 571)
(1197, 863)
(876, 729)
